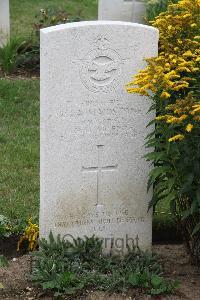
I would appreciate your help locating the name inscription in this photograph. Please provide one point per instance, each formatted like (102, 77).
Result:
(112, 119)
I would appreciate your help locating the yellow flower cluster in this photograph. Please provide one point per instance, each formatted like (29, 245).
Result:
(185, 112)
(173, 74)
(31, 234)
(179, 56)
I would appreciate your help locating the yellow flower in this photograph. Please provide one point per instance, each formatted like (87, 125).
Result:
(183, 117)
(176, 68)
(188, 54)
(178, 137)
(196, 109)
(171, 119)
(31, 234)
(165, 95)
(189, 127)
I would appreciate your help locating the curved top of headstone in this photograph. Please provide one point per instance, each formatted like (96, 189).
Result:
(96, 23)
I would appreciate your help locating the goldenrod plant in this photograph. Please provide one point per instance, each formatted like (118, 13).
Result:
(155, 7)
(31, 235)
(172, 80)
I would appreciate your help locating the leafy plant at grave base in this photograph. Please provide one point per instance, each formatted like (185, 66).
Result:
(155, 7)
(70, 267)
(51, 17)
(29, 58)
(8, 227)
(5, 227)
(9, 54)
(30, 235)
(172, 81)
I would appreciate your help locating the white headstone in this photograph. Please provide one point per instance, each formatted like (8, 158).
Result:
(139, 11)
(4, 22)
(115, 10)
(93, 174)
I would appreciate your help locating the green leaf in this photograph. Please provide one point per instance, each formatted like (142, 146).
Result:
(155, 156)
(198, 196)
(138, 279)
(172, 196)
(155, 174)
(150, 135)
(151, 123)
(3, 261)
(156, 281)
(187, 183)
(173, 206)
(1, 286)
(158, 291)
(186, 213)
(153, 202)
(196, 229)
(49, 285)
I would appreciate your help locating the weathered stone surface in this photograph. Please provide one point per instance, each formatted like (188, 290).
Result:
(93, 176)
(139, 11)
(122, 10)
(4, 22)
(115, 10)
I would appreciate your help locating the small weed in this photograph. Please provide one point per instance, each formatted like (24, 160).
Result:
(8, 227)
(9, 55)
(3, 261)
(5, 226)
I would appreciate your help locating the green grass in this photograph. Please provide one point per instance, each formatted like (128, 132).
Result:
(19, 148)
(23, 12)
(19, 115)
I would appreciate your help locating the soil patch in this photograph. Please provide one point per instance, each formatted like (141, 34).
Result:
(173, 257)
(8, 246)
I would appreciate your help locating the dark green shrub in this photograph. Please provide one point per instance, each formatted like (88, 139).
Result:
(29, 58)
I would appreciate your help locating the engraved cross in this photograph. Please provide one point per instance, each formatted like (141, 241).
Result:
(98, 170)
